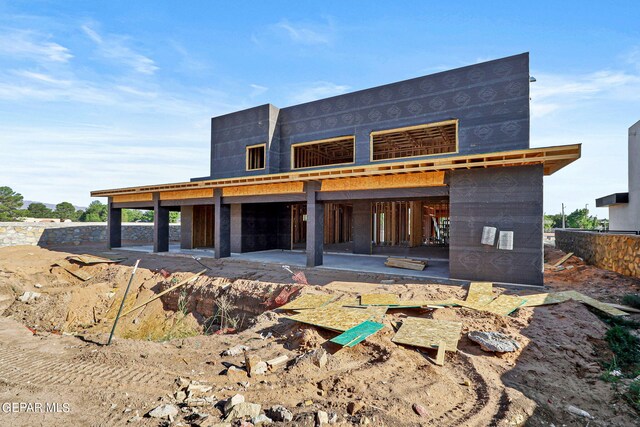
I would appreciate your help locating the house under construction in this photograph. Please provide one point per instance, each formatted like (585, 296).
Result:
(436, 164)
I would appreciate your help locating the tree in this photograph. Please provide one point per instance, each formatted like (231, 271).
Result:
(65, 210)
(95, 212)
(552, 221)
(580, 219)
(10, 203)
(39, 210)
(174, 217)
(131, 215)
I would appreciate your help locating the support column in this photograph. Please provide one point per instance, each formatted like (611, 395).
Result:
(315, 225)
(222, 226)
(236, 228)
(160, 226)
(186, 227)
(114, 226)
(361, 216)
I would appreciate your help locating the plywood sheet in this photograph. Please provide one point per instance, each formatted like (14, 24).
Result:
(136, 197)
(259, 189)
(504, 304)
(606, 308)
(480, 293)
(377, 312)
(357, 334)
(379, 299)
(333, 317)
(306, 302)
(543, 299)
(200, 193)
(422, 179)
(429, 333)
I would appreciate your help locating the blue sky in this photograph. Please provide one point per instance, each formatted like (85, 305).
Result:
(108, 94)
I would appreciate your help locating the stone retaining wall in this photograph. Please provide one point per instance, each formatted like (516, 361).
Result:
(616, 252)
(49, 234)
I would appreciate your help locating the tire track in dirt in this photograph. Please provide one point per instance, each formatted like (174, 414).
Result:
(40, 369)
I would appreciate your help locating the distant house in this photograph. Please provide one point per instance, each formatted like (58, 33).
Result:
(439, 163)
(624, 208)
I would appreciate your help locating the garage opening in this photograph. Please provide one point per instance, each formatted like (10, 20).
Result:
(326, 152)
(414, 141)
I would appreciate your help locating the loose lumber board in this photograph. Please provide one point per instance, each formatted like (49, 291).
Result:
(429, 333)
(333, 317)
(623, 307)
(406, 264)
(357, 334)
(73, 269)
(379, 299)
(306, 302)
(480, 293)
(606, 308)
(563, 259)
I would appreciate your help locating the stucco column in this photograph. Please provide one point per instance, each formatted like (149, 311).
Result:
(315, 225)
(114, 226)
(222, 226)
(160, 226)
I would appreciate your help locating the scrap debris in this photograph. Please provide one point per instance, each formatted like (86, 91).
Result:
(429, 333)
(73, 269)
(357, 334)
(92, 259)
(308, 301)
(563, 260)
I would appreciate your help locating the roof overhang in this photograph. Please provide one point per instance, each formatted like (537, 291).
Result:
(552, 159)
(612, 199)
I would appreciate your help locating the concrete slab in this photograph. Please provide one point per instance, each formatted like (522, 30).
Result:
(437, 270)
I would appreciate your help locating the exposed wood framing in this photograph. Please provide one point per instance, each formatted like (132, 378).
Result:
(421, 179)
(254, 190)
(186, 194)
(325, 152)
(203, 222)
(413, 141)
(553, 159)
(256, 157)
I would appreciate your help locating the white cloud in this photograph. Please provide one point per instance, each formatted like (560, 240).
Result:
(306, 34)
(257, 90)
(114, 47)
(31, 45)
(316, 90)
(554, 91)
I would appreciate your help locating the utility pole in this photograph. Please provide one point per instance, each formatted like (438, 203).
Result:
(563, 222)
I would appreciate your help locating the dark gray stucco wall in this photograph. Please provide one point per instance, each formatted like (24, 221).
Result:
(509, 199)
(490, 99)
(265, 226)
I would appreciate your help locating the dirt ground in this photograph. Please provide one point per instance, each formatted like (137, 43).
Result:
(52, 348)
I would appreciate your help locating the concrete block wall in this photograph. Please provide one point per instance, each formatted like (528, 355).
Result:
(50, 234)
(615, 252)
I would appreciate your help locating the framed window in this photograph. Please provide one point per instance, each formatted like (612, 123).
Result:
(256, 157)
(324, 152)
(415, 141)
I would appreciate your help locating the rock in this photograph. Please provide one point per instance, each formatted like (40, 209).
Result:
(29, 296)
(236, 350)
(333, 417)
(420, 410)
(235, 373)
(279, 413)
(322, 418)
(577, 411)
(163, 411)
(37, 285)
(245, 424)
(231, 402)
(494, 341)
(195, 387)
(243, 410)
(277, 360)
(182, 382)
(354, 407)
(318, 357)
(388, 282)
(180, 396)
(261, 419)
